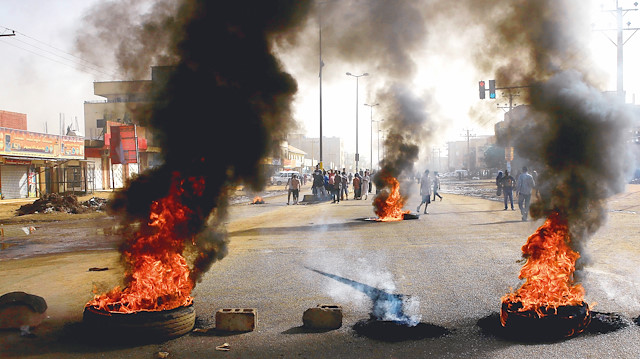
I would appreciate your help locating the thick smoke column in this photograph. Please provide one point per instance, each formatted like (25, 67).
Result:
(223, 106)
(571, 132)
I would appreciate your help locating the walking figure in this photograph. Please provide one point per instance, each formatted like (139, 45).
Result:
(525, 185)
(436, 185)
(507, 183)
(425, 191)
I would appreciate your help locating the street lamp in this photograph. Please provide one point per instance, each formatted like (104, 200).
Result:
(379, 130)
(357, 77)
(371, 137)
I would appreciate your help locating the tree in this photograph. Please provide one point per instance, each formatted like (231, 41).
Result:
(494, 157)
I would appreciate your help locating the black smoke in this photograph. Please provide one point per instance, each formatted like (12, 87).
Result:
(223, 104)
(572, 133)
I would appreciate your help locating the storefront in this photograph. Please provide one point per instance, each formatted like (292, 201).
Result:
(35, 163)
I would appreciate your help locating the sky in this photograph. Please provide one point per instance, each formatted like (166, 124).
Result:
(43, 76)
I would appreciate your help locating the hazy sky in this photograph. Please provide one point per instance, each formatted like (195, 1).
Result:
(41, 76)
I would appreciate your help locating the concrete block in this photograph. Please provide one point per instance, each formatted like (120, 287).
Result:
(236, 319)
(323, 316)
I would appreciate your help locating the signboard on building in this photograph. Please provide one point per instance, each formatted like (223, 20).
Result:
(33, 144)
(124, 148)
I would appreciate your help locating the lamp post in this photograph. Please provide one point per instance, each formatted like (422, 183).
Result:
(357, 77)
(379, 130)
(371, 137)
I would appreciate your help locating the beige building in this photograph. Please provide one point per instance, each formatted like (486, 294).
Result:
(468, 155)
(126, 103)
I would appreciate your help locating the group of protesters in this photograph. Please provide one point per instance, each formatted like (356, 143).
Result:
(334, 184)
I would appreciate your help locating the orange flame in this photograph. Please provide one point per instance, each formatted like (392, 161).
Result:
(388, 205)
(158, 276)
(548, 270)
(257, 200)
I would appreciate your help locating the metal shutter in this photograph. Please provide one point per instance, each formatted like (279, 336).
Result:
(14, 181)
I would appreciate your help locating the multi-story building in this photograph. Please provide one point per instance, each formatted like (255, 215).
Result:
(125, 104)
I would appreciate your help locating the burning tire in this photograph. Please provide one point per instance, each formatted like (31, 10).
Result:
(563, 322)
(156, 325)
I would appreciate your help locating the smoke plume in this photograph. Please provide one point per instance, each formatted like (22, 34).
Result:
(572, 133)
(220, 105)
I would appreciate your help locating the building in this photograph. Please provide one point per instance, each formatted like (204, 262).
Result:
(126, 104)
(469, 154)
(33, 163)
(333, 155)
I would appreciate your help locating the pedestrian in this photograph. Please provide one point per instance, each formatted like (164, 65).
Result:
(506, 183)
(524, 185)
(425, 191)
(436, 185)
(356, 186)
(370, 174)
(289, 187)
(536, 191)
(344, 194)
(295, 184)
(327, 188)
(499, 184)
(365, 185)
(337, 186)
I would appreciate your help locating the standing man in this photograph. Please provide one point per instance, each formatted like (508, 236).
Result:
(365, 185)
(507, 182)
(344, 194)
(295, 188)
(425, 191)
(525, 185)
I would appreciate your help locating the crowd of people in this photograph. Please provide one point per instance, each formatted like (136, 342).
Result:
(524, 185)
(334, 184)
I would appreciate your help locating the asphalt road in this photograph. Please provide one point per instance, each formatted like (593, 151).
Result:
(454, 264)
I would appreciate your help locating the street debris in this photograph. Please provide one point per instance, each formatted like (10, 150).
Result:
(224, 347)
(20, 310)
(66, 203)
(98, 269)
(163, 355)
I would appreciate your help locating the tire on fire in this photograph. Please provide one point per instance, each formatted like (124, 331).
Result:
(154, 325)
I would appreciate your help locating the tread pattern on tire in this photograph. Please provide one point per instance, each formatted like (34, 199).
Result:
(163, 324)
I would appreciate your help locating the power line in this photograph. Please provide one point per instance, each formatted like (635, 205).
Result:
(81, 65)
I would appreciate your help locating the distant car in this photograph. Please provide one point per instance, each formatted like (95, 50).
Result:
(283, 177)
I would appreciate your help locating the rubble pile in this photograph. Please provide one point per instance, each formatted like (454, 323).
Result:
(66, 203)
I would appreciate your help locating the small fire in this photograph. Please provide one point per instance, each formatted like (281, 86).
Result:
(158, 276)
(388, 204)
(257, 200)
(548, 271)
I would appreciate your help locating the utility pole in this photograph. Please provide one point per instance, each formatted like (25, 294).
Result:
(619, 13)
(468, 135)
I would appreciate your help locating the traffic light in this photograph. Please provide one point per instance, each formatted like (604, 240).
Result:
(482, 90)
(492, 88)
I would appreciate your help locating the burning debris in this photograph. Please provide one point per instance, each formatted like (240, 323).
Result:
(257, 200)
(389, 202)
(548, 300)
(174, 214)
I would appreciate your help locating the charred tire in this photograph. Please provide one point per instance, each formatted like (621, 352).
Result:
(156, 325)
(279, 183)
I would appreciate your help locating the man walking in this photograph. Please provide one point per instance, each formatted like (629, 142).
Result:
(425, 191)
(525, 185)
(507, 182)
(295, 188)
(436, 185)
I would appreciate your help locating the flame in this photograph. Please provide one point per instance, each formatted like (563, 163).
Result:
(158, 276)
(257, 200)
(388, 204)
(548, 271)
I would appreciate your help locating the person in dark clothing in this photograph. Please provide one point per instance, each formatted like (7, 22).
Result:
(507, 189)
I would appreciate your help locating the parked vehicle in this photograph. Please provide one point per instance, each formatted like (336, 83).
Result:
(282, 177)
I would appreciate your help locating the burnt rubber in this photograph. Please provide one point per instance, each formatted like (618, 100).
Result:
(153, 325)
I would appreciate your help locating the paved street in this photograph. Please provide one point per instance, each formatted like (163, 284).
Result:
(454, 263)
